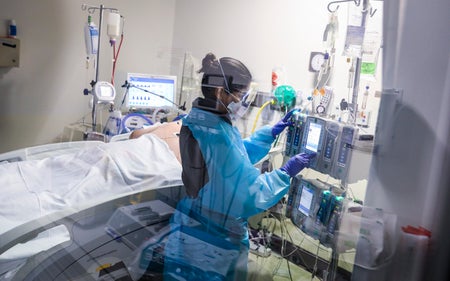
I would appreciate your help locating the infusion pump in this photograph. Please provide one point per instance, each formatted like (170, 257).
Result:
(332, 142)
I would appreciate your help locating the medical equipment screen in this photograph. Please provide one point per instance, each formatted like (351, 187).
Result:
(106, 91)
(312, 142)
(147, 90)
(306, 200)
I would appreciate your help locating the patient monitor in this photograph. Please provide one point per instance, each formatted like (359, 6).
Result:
(150, 91)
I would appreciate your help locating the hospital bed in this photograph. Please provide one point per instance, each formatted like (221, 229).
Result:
(70, 210)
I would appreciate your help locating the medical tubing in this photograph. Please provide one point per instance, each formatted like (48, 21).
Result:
(314, 270)
(125, 95)
(116, 55)
(278, 136)
(155, 113)
(130, 115)
(284, 231)
(272, 101)
(299, 245)
(289, 270)
(286, 256)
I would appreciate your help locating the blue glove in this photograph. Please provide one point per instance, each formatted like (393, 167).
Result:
(297, 163)
(283, 123)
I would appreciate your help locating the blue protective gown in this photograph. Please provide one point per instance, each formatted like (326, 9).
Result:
(209, 238)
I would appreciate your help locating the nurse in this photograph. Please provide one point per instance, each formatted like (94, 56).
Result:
(209, 238)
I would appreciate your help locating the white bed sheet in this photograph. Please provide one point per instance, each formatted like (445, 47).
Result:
(31, 189)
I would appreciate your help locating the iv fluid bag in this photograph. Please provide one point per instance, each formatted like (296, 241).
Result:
(91, 38)
(113, 27)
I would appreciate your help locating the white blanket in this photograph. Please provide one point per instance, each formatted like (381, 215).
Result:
(34, 188)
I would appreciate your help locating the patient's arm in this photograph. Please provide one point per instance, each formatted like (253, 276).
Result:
(168, 132)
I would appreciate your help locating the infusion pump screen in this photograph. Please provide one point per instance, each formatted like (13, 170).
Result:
(312, 142)
(306, 200)
(106, 91)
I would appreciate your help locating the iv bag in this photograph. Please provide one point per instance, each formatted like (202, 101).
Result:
(91, 38)
(113, 27)
(370, 54)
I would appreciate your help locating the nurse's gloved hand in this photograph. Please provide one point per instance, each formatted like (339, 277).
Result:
(283, 123)
(297, 163)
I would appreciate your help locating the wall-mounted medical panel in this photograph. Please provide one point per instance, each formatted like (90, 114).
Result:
(9, 52)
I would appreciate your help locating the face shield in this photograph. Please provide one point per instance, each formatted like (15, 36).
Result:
(238, 109)
(239, 106)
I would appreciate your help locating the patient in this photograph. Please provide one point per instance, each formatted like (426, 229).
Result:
(35, 188)
(74, 180)
(168, 132)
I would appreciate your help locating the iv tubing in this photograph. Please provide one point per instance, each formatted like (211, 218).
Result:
(116, 54)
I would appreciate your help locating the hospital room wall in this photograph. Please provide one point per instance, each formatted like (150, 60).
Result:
(45, 93)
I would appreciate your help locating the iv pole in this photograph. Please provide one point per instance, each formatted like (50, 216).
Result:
(365, 10)
(354, 103)
(91, 10)
(353, 107)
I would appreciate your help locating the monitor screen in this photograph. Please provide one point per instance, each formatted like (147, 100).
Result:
(312, 142)
(306, 200)
(148, 90)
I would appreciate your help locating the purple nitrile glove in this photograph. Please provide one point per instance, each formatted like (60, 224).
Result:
(283, 123)
(297, 163)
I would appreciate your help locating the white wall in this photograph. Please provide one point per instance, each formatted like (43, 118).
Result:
(45, 93)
